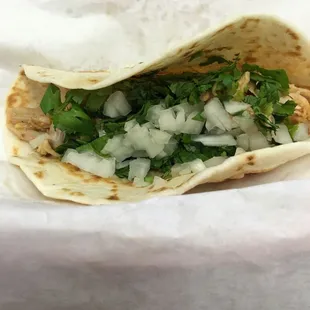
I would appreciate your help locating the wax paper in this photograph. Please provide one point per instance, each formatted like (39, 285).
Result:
(242, 244)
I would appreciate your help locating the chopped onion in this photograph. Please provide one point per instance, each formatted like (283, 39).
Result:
(239, 150)
(192, 126)
(235, 132)
(234, 107)
(247, 125)
(258, 141)
(282, 135)
(116, 105)
(139, 168)
(217, 115)
(169, 148)
(130, 124)
(167, 121)
(122, 164)
(214, 161)
(159, 137)
(90, 162)
(243, 141)
(197, 165)
(153, 114)
(216, 131)
(158, 182)
(189, 108)
(140, 182)
(138, 137)
(301, 132)
(101, 133)
(37, 141)
(148, 125)
(118, 148)
(219, 140)
(138, 154)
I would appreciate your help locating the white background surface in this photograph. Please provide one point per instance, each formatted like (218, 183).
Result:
(239, 249)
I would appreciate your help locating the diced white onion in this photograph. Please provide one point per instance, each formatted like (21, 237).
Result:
(239, 150)
(190, 108)
(116, 105)
(243, 141)
(235, 132)
(172, 121)
(217, 115)
(117, 148)
(139, 168)
(159, 137)
(247, 125)
(140, 182)
(257, 141)
(192, 126)
(197, 165)
(158, 182)
(216, 131)
(148, 125)
(219, 140)
(130, 124)
(138, 154)
(122, 164)
(101, 133)
(301, 133)
(153, 114)
(234, 107)
(214, 161)
(36, 142)
(282, 135)
(90, 162)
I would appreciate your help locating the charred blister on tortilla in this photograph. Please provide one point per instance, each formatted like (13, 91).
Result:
(163, 125)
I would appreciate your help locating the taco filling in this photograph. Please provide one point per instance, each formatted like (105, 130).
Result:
(165, 125)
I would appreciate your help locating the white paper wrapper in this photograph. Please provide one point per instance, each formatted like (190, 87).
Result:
(246, 248)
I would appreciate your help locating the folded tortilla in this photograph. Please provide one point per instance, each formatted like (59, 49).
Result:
(259, 40)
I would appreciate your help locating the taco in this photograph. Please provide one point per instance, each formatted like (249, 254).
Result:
(231, 102)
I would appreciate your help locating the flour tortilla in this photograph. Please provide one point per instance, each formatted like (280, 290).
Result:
(260, 40)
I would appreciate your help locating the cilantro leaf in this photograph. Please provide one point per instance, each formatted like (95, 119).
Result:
(279, 75)
(51, 99)
(74, 120)
(199, 117)
(96, 146)
(285, 109)
(123, 172)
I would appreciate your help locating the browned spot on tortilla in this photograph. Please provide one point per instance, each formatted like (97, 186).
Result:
(114, 189)
(250, 59)
(93, 179)
(227, 48)
(239, 168)
(15, 151)
(11, 100)
(77, 194)
(194, 45)
(188, 53)
(298, 48)
(39, 174)
(292, 34)
(93, 81)
(70, 167)
(293, 53)
(66, 189)
(250, 20)
(251, 163)
(160, 189)
(228, 27)
(113, 197)
(250, 157)
(41, 162)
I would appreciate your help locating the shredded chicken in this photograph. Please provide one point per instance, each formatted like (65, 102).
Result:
(205, 96)
(302, 111)
(243, 82)
(30, 116)
(45, 149)
(56, 136)
(23, 131)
